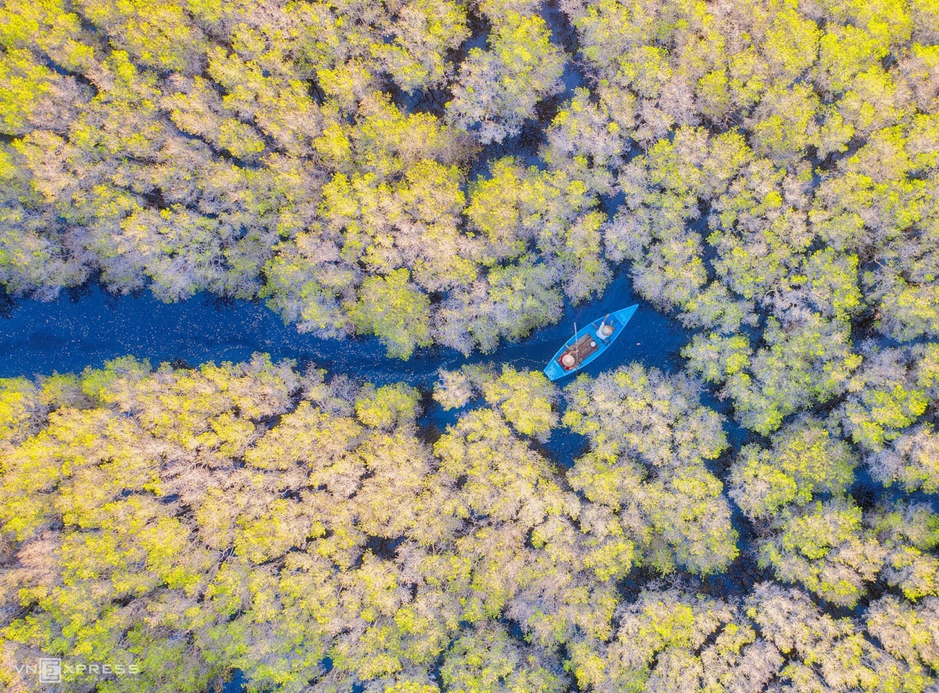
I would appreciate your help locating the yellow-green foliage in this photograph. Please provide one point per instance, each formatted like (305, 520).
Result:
(391, 406)
(526, 400)
(394, 310)
(805, 461)
(264, 522)
(18, 405)
(765, 172)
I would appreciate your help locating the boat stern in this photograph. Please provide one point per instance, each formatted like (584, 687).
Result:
(554, 371)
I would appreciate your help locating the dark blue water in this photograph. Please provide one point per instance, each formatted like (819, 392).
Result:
(92, 326)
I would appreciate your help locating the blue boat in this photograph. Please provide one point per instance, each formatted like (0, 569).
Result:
(587, 344)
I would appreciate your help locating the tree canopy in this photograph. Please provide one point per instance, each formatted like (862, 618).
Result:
(758, 515)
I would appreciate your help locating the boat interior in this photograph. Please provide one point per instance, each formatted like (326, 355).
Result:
(583, 347)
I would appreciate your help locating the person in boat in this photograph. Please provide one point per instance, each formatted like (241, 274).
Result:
(578, 351)
(605, 329)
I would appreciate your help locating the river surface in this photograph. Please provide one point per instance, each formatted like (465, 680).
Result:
(90, 326)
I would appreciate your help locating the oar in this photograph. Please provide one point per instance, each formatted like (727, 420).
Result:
(576, 360)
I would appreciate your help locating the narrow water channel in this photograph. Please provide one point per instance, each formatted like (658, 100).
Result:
(91, 326)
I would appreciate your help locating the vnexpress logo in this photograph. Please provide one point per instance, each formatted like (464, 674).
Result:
(53, 669)
(50, 670)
